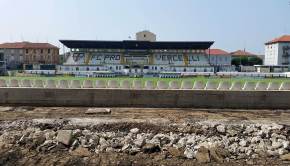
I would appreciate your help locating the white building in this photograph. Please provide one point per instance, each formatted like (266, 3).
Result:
(221, 59)
(277, 51)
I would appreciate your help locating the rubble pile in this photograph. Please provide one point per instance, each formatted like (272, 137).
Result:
(203, 142)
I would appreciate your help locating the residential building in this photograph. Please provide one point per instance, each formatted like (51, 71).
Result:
(221, 59)
(242, 53)
(2, 63)
(277, 51)
(20, 53)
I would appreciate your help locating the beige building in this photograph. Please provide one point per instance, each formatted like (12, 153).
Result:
(145, 36)
(20, 53)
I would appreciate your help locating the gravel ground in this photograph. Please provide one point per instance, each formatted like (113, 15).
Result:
(131, 136)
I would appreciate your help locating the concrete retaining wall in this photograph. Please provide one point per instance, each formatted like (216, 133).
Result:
(146, 98)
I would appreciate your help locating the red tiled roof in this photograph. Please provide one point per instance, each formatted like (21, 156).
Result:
(282, 39)
(24, 45)
(242, 53)
(217, 52)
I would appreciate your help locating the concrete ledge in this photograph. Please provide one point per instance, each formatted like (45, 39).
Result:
(146, 98)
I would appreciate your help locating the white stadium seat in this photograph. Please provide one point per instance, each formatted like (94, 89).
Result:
(249, 86)
(113, 84)
(274, 86)
(88, 84)
(63, 84)
(26, 83)
(51, 84)
(162, 85)
(285, 86)
(174, 85)
(3, 83)
(198, 85)
(76, 84)
(38, 84)
(100, 84)
(149, 85)
(137, 84)
(186, 84)
(211, 85)
(14, 83)
(262, 86)
(125, 84)
(226, 85)
(237, 86)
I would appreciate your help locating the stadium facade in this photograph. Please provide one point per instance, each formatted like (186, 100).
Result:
(144, 56)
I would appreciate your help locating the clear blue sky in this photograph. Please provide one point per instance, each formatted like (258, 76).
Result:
(232, 24)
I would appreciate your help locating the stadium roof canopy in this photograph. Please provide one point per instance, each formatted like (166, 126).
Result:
(134, 44)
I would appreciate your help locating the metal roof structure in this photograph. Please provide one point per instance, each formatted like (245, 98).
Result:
(136, 45)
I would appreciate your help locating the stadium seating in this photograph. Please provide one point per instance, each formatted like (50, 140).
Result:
(51, 84)
(261, 86)
(100, 84)
(174, 85)
(63, 84)
(76, 84)
(285, 86)
(198, 85)
(162, 85)
(38, 84)
(26, 83)
(186, 85)
(125, 84)
(274, 86)
(211, 85)
(14, 83)
(88, 84)
(237, 86)
(149, 85)
(3, 83)
(224, 85)
(249, 86)
(137, 84)
(113, 84)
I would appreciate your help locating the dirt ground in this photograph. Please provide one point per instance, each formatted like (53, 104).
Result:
(171, 115)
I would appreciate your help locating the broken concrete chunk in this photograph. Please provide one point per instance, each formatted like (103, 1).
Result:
(91, 111)
(64, 137)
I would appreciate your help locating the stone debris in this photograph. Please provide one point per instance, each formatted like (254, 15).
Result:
(92, 111)
(203, 142)
(64, 137)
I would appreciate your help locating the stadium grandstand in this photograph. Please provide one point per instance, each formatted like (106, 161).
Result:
(142, 57)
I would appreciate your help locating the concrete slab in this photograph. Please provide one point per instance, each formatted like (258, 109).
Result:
(186, 85)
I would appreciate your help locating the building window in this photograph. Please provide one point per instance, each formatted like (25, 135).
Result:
(26, 51)
(48, 51)
(41, 51)
(88, 69)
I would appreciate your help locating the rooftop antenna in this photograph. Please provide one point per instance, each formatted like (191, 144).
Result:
(11, 38)
(21, 36)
